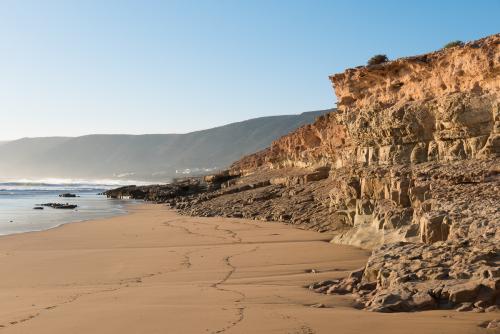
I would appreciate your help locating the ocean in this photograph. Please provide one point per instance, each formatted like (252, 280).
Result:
(19, 197)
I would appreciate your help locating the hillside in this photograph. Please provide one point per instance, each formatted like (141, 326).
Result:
(144, 157)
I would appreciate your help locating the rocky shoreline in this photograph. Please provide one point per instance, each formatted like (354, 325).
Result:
(408, 167)
(461, 271)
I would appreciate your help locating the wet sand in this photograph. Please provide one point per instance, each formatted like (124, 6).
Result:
(153, 271)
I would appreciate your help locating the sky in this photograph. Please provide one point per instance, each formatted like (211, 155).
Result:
(70, 68)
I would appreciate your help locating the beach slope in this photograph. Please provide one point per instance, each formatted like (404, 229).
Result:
(153, 271)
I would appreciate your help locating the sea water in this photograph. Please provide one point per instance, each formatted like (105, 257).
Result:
(19, 197)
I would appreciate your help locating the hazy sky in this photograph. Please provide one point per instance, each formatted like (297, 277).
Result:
(80, 67)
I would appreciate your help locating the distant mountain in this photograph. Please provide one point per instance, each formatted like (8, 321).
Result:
(144, 157)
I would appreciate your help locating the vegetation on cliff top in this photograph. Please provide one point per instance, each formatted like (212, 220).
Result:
(453, 44)
(377, 59)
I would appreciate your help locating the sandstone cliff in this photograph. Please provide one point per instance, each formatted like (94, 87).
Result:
(409, 162)
(408, 165)
(434, 109)
(440, 106)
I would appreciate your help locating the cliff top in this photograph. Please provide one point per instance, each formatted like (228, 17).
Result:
(474, 65)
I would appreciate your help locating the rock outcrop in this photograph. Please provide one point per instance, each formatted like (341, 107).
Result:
(159, 193)
(408, 165)
(441, 106)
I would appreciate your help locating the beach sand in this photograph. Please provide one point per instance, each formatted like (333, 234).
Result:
(153, 271)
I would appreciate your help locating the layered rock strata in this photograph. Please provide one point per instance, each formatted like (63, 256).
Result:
(399, 126)
(408, 165)
(441, 106)
(413, 152)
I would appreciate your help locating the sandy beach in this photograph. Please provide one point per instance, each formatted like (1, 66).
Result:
(153, 271)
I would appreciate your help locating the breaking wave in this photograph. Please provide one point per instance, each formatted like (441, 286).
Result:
(53, 184)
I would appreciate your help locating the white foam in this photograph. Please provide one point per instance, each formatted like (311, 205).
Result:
(64, 184)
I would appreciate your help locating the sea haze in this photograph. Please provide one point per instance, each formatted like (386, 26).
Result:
(18, 197)
(150, 157)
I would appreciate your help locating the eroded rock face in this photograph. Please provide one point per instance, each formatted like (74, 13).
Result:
(416, 276)
(414, 158)
(442, 106)
(437, 108)
(409, 166)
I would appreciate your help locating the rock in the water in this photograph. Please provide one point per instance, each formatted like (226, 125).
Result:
(60, 205)
(68, 195)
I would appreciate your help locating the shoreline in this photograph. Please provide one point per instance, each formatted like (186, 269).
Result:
(123, 211)
(154, 271)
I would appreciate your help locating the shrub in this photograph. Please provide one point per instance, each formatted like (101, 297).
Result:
(453, 44)
(377, 59)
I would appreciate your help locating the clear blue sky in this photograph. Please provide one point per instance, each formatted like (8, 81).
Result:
(80, 67)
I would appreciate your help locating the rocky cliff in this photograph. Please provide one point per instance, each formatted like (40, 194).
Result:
(413, 153)
(397, 126)
(408, 165)
(441, 106)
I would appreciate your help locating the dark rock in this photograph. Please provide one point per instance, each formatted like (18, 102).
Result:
(60, 205)
(161, 193)
(68, 195)
(464, 293)
(465, 307)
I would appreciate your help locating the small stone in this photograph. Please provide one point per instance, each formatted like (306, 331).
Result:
(318, 305)
(423, 301)
(465, 307)
(493, 324)
(334, 289)
(481, 303)
(321, 286)
(491, 308)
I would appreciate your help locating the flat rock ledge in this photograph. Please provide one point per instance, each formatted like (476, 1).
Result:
(404, 277)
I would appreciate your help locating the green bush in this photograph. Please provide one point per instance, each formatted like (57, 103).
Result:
(378, 59)
(453, 44)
